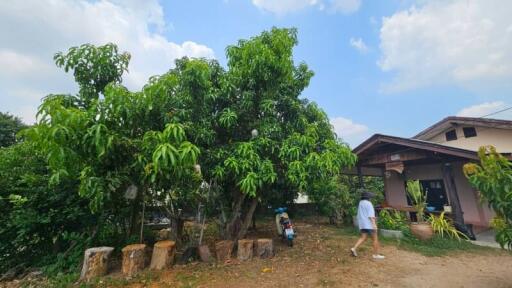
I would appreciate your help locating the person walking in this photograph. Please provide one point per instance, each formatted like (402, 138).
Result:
(367, 225)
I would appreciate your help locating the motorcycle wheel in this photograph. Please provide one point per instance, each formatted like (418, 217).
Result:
(290, 242)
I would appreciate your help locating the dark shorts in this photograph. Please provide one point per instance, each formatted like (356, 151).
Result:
(367, 231)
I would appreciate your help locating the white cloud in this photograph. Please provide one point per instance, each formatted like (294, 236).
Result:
(346, 6)
(448, 42)
(482, 109)
(359, 45)
(281, 7)
(352, 133)
(32, 31)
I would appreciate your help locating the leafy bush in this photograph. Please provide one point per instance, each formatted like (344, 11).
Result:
(38, 222)
(437, 246)
(444, 226)
(392, 220)
(9, 126)
(493, 178)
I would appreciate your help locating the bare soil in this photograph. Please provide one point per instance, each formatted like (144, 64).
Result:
(320, 258)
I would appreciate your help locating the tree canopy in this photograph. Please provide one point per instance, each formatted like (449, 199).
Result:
(493, 179)
(9, 126)
(246, 125)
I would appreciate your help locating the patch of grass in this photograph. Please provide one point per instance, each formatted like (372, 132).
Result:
(63, 280)
(437, 246)
(187, 280)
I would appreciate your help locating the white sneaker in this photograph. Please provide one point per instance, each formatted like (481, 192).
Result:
(353, 251)
(378, 256)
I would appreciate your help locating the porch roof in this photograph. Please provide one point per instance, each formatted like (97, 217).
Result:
(386, 144)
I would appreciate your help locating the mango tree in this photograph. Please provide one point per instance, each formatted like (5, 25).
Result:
(258, 138)
(110, 139)
(492, 177)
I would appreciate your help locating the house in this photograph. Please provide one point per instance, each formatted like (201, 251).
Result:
(435, 157)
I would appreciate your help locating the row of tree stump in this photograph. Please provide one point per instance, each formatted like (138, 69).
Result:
(96, 259)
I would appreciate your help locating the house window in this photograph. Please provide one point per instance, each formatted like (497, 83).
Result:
(451, 135)
(469, 132)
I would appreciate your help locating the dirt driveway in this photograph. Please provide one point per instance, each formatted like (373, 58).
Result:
(320, 259)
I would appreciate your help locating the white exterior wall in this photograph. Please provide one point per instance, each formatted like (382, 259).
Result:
(499, 138)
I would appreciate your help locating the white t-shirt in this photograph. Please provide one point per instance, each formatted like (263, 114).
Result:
(364, 212)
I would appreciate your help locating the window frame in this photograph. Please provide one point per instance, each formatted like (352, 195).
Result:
(467, 134)
(454, 131)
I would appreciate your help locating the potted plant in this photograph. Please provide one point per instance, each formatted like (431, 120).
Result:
(392, 223)
(421, 229)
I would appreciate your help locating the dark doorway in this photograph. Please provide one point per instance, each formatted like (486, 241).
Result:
(436, 195)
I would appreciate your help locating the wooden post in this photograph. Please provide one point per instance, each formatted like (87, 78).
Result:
(245, 249)
(163, 255)
(223, 250)
(264, 248)
(204, 253)
(451, 189)
(360, 177)
(134, 258)
(95, 262)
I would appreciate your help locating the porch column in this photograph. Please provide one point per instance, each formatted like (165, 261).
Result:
(360, 177)
(458, 216)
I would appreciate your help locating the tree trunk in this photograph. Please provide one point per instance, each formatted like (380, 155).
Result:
(232, 228)
(204, 253)
(163, 255)
(223, 250)
(248, 218)
(95, 262)
(264, 248)
(245, 249)
(134, 259)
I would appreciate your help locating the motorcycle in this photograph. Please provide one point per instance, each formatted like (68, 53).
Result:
(284, 226)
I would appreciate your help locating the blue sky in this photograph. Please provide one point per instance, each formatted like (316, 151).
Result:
(390, 66)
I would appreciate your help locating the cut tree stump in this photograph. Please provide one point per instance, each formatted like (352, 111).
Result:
(223, 250)
(264, 248)
(95, 262)
(245, 249)
(163, 255)
(133, 259)
(204, 253)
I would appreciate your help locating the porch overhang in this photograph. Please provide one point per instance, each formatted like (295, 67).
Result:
(390, 153)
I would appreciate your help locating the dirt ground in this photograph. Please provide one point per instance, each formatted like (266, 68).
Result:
(320, 258)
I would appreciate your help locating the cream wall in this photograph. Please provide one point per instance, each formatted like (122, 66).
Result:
(474, 212)
(499, 138)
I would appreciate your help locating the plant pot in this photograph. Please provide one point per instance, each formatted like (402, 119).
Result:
(397, 234)
(355, 222)
(422, 231)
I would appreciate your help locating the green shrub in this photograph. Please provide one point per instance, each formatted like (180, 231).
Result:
(492, 177)
(38, 222)
(392, 220)
(444, 227)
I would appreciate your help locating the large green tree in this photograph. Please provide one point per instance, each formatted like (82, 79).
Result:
(251, 132)
(109, 139)
(9, 126)
(257, 136)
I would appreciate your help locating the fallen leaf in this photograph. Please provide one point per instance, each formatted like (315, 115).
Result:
(266, 269)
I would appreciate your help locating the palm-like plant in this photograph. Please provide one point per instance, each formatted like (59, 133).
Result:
(444, 226)
(418, 198)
